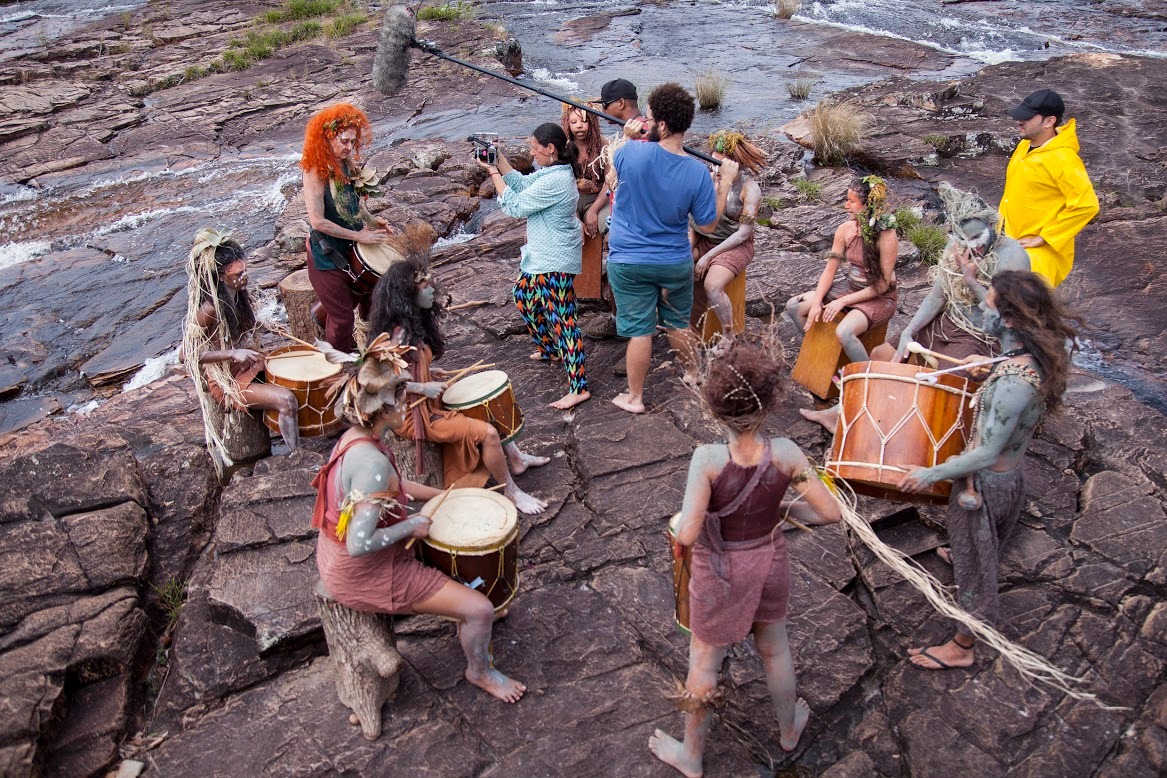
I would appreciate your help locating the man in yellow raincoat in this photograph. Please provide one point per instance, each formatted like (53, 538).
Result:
(1048, 195)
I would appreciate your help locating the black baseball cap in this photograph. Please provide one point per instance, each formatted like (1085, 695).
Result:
(617, 89)
(1046, 102)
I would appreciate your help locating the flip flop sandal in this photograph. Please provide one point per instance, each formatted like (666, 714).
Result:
(924, 653)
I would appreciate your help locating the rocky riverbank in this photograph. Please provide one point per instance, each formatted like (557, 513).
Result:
(104, 658)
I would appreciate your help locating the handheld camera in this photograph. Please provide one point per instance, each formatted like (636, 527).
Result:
(485, 148)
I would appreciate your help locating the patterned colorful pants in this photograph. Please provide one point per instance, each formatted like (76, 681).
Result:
(547, 304)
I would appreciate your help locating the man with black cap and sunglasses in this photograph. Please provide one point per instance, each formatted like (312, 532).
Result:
(1048, 195)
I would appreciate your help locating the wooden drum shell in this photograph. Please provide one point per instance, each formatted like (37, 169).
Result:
(705, 320)
(890, 422)
(498, 408)
(682, 570)
(316, 415)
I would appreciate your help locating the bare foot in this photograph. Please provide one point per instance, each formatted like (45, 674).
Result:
(948, 656)
(571, 399)
(828, 417)
(622, 402)
(502, 614)
(789, 742)
(672, 752)
(945, 554)
(539, 356)
(495, 683)
(518, 461)
(523, 501)
(691, 379)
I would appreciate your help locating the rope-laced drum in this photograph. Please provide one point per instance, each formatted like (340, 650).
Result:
(474, 539)
(890, 421)
(487, 396)
(303, 370)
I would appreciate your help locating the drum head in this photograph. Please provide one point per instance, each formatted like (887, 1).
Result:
(470, 519)
(307, 365)
(378, 256)
(475, 388)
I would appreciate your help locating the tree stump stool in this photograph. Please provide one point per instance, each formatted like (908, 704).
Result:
(368, 665)
(405, 452)
(298, 296)
(244, 436)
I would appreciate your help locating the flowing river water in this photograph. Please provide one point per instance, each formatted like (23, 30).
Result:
(128, 219)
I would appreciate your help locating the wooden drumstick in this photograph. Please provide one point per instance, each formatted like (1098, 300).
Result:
(285, 334)
(931, 377)
(917, 348)
(441, 499)
(471, 304)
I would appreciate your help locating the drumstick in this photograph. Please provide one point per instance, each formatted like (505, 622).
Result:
(471, 304)
(284, 333)
(454, 376)
(917, 348)
(441, 499)
(930, 377)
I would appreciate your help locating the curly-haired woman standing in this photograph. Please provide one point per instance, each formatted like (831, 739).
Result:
(333, 142)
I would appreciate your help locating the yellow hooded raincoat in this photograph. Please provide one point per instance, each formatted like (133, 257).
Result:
(1048, 193)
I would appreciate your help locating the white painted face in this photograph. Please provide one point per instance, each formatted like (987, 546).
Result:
(425, 295)
(235, 275)
(994, 325)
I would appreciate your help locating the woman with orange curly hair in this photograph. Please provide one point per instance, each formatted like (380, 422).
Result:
(333, 194)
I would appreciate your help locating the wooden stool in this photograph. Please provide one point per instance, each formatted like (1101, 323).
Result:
(405, 451)
(704, 319)
(588, 284)
(244, 436)
(298, 297)
(821, 356)
(368, 665)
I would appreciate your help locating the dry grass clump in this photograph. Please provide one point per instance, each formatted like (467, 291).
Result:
(800, 87)
(785, 9)
(710, 87)
(836, 130)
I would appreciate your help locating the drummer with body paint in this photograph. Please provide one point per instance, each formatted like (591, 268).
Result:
(360, 510)
(405, 302)
(335, 193)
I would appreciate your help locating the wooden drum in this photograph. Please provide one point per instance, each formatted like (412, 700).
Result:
(487, 396)
(821, 356)
(890, 422)
(681, 571)
(474, 539)
(706, 322)
(304, 374)
(369, 262)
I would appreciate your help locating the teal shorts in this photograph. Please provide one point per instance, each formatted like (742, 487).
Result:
(650, 294)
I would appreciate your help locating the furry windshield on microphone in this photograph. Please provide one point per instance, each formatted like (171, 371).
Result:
(391, 64)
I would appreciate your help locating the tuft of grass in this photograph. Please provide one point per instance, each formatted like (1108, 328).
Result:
(936, 141)
(295, 10)
(447, 12)
(785, 9)
(836, 130)
(171, 596)
(774, 203)
(906, 219)
(710, 87)
(126, 18)
(929, 239)
(344, 24)
(193, 73)
(807, 189)
(800, 87)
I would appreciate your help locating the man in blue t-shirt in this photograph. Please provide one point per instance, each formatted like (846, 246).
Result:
(650, 262)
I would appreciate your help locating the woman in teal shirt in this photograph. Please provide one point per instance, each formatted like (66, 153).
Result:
(553, 254)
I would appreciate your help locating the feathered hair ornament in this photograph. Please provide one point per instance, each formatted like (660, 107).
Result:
(368, 382)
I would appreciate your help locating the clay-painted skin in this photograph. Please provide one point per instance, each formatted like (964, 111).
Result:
(1010, 412)
(366, 469)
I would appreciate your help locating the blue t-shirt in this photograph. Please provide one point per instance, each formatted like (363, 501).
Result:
(656, 193)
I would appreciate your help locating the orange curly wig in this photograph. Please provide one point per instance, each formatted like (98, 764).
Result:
(325, 125)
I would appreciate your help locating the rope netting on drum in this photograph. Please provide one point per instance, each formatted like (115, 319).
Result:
(1032, 666)
(847, 425)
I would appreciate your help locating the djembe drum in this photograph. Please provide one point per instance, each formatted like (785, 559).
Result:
(304, 371)
(474, 539)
